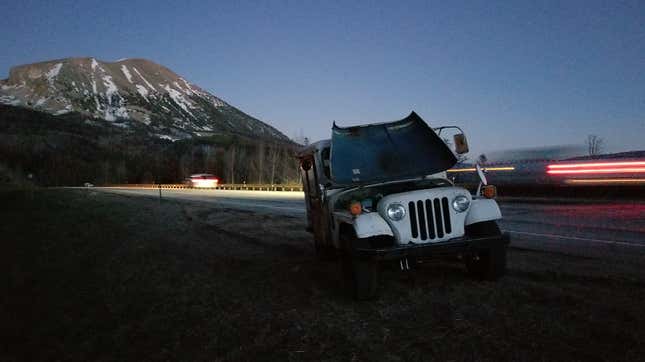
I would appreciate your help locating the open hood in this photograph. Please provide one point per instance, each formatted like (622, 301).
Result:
(387, 151)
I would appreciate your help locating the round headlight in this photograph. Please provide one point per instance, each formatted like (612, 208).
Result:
(395, 212)
(460, 203)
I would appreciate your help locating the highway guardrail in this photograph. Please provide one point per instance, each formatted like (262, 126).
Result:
(244, 187)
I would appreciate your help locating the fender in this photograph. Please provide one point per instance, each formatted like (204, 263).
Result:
(365, 225)
(371, 224)
(483, 210)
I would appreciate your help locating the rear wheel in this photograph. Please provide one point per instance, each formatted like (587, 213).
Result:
(486, 264)
(359, 275)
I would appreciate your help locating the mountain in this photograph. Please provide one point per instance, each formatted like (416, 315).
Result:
(129, 92)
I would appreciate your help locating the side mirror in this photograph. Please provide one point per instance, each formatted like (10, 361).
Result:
(461, 144)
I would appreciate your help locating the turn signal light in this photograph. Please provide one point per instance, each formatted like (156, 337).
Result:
(355, 208)
(489, 191)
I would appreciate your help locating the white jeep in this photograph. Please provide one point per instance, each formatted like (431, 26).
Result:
(380, 192)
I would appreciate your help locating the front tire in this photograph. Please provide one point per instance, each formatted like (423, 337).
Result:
(324, 252)
(359, 275)
(486, 264)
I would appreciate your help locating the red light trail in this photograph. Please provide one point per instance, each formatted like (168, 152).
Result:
(597, 168)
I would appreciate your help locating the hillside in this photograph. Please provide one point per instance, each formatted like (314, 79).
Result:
(129, 93)
(71, 148)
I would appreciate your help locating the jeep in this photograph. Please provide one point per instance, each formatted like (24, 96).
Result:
(380, 192)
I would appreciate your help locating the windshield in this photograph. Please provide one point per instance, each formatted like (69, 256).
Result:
(387, 151)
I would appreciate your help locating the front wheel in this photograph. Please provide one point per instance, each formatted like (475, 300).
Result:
(324, 252)
(486, 264)
(359, 275)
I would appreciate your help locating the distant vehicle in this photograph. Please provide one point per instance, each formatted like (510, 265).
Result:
(380, 192)
(624, 169)
(87, 184)
(202, 180)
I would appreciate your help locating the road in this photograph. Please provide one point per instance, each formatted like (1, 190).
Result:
(588, 229)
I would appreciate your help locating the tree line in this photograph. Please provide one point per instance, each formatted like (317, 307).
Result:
(60, 151)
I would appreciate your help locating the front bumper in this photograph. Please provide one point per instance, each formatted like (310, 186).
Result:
(461, 245)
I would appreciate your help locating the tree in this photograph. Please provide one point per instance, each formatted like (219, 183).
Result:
(300, 138)
(595, 144)
(260, 148)
(232, 150)
(274, 158)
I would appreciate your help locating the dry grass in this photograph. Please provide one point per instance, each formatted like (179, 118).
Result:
(95, 276)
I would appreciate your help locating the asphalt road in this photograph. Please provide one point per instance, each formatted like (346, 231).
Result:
(584, 228)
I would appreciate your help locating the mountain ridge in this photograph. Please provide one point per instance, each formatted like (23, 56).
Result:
(128, 90)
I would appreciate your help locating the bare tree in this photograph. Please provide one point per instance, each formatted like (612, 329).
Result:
(299, 138)
(260, 161)
(274, 159)
(243, 162)
(185, 165)
(105, 169)
(231, 166)
(595, 144)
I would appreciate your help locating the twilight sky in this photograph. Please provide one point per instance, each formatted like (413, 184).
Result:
(513, 74)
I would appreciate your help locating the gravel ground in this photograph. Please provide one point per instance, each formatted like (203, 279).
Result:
(96, 276)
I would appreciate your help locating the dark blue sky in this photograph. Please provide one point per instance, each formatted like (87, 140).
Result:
(512, 74)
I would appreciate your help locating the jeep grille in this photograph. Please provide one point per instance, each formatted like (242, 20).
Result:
(430, 218)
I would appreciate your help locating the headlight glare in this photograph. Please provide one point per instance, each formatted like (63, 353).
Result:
(395, 211)
(460, 203)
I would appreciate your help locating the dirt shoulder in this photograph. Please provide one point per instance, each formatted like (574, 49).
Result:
(96, 276)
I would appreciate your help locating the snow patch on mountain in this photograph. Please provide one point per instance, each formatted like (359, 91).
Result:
(179, 98)
(53, 73)
(187, 85)
(186, 90)
(144, 79)
(110, 87)
(166, 137)
(65, 110)
(115, 108)
(121, 125)
(125, 71)
(11, 100)
(143, 91)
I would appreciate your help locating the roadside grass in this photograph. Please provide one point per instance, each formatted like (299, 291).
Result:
(93, 276)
